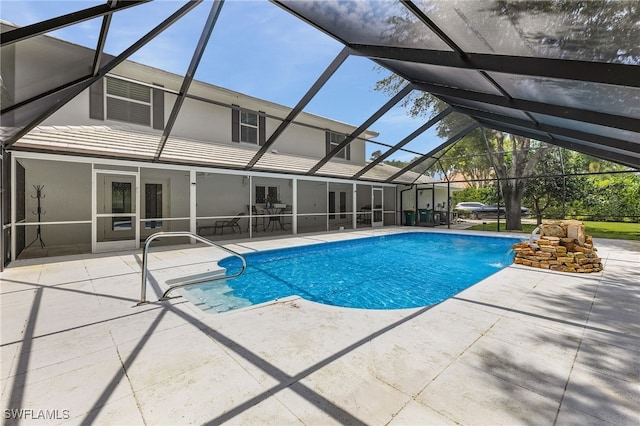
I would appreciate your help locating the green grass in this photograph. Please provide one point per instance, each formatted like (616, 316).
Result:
(615, 230)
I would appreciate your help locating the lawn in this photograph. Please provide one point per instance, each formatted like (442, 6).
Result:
(615, 230)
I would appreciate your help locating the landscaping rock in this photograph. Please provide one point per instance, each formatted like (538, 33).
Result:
(553, 230)
(562, 246)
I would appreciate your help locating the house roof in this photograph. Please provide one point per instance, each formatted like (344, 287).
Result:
(566, 73)
(122, 142)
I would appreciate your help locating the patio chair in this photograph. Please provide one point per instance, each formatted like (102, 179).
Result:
(255, 213)
(221, 224)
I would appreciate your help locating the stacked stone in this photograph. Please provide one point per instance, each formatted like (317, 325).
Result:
(562, 246)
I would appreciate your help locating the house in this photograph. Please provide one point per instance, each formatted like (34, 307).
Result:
(100, 174)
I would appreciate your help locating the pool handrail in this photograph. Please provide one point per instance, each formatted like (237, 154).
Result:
(165, 234)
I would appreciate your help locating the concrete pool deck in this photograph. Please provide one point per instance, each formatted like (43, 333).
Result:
(524, 346)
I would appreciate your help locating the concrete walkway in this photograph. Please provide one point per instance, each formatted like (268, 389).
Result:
(524, 346)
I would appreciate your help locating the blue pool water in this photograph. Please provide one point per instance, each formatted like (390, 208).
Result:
(387, 272)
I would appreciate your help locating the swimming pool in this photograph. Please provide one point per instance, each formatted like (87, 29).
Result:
(395, 271)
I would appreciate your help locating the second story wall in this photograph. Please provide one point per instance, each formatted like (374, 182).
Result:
(203, 121)
(141, 98)
(200, 121)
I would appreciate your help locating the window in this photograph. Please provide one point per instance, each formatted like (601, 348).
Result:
(266, 194)
(127, 101)
(247, 126)
(121, 203)
(152, 205)
(333, 140)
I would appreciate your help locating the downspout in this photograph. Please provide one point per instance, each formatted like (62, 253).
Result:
(401, 197)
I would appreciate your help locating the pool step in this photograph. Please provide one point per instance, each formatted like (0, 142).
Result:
(217, 296)
(197, 277)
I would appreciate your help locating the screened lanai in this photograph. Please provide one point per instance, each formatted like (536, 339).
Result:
(540, 69)
(564, 73)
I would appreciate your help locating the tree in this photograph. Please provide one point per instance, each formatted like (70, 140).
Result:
(511, 167)
(397, 163)
(614, 197)
(600, 31)
(375, 155)
(511, 157)
(468, 160)
(553, 191)
(581, 30)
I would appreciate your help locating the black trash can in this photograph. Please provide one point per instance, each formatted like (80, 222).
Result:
(409, 218)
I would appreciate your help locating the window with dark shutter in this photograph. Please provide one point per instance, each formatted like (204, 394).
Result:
(128, 101)
(248, 127)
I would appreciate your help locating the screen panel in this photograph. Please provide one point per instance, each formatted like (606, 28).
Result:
(598, 97)
(445, 76)
(590, 31)
(382, 23)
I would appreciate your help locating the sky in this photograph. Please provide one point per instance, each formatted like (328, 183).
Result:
(256, 48)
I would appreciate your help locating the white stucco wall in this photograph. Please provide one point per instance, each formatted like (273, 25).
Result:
(200, 121)
(74, 113)
(221, 195)
(67, 196)
(299, 140)
(41, 65)
(364, 196)
(312, 197)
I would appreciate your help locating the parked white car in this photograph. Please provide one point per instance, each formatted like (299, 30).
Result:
(480, 210)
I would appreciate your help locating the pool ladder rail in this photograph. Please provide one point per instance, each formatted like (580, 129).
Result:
(145, 252)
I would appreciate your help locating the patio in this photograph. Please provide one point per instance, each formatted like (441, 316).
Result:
(523, 346)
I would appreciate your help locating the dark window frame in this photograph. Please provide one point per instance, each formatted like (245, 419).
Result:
(238, 125)
(264, 193)
(333, 139)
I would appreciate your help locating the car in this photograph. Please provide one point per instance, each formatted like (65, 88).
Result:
(478, 210)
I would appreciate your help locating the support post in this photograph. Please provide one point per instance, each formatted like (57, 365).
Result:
(193, 191)
(294, 206)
